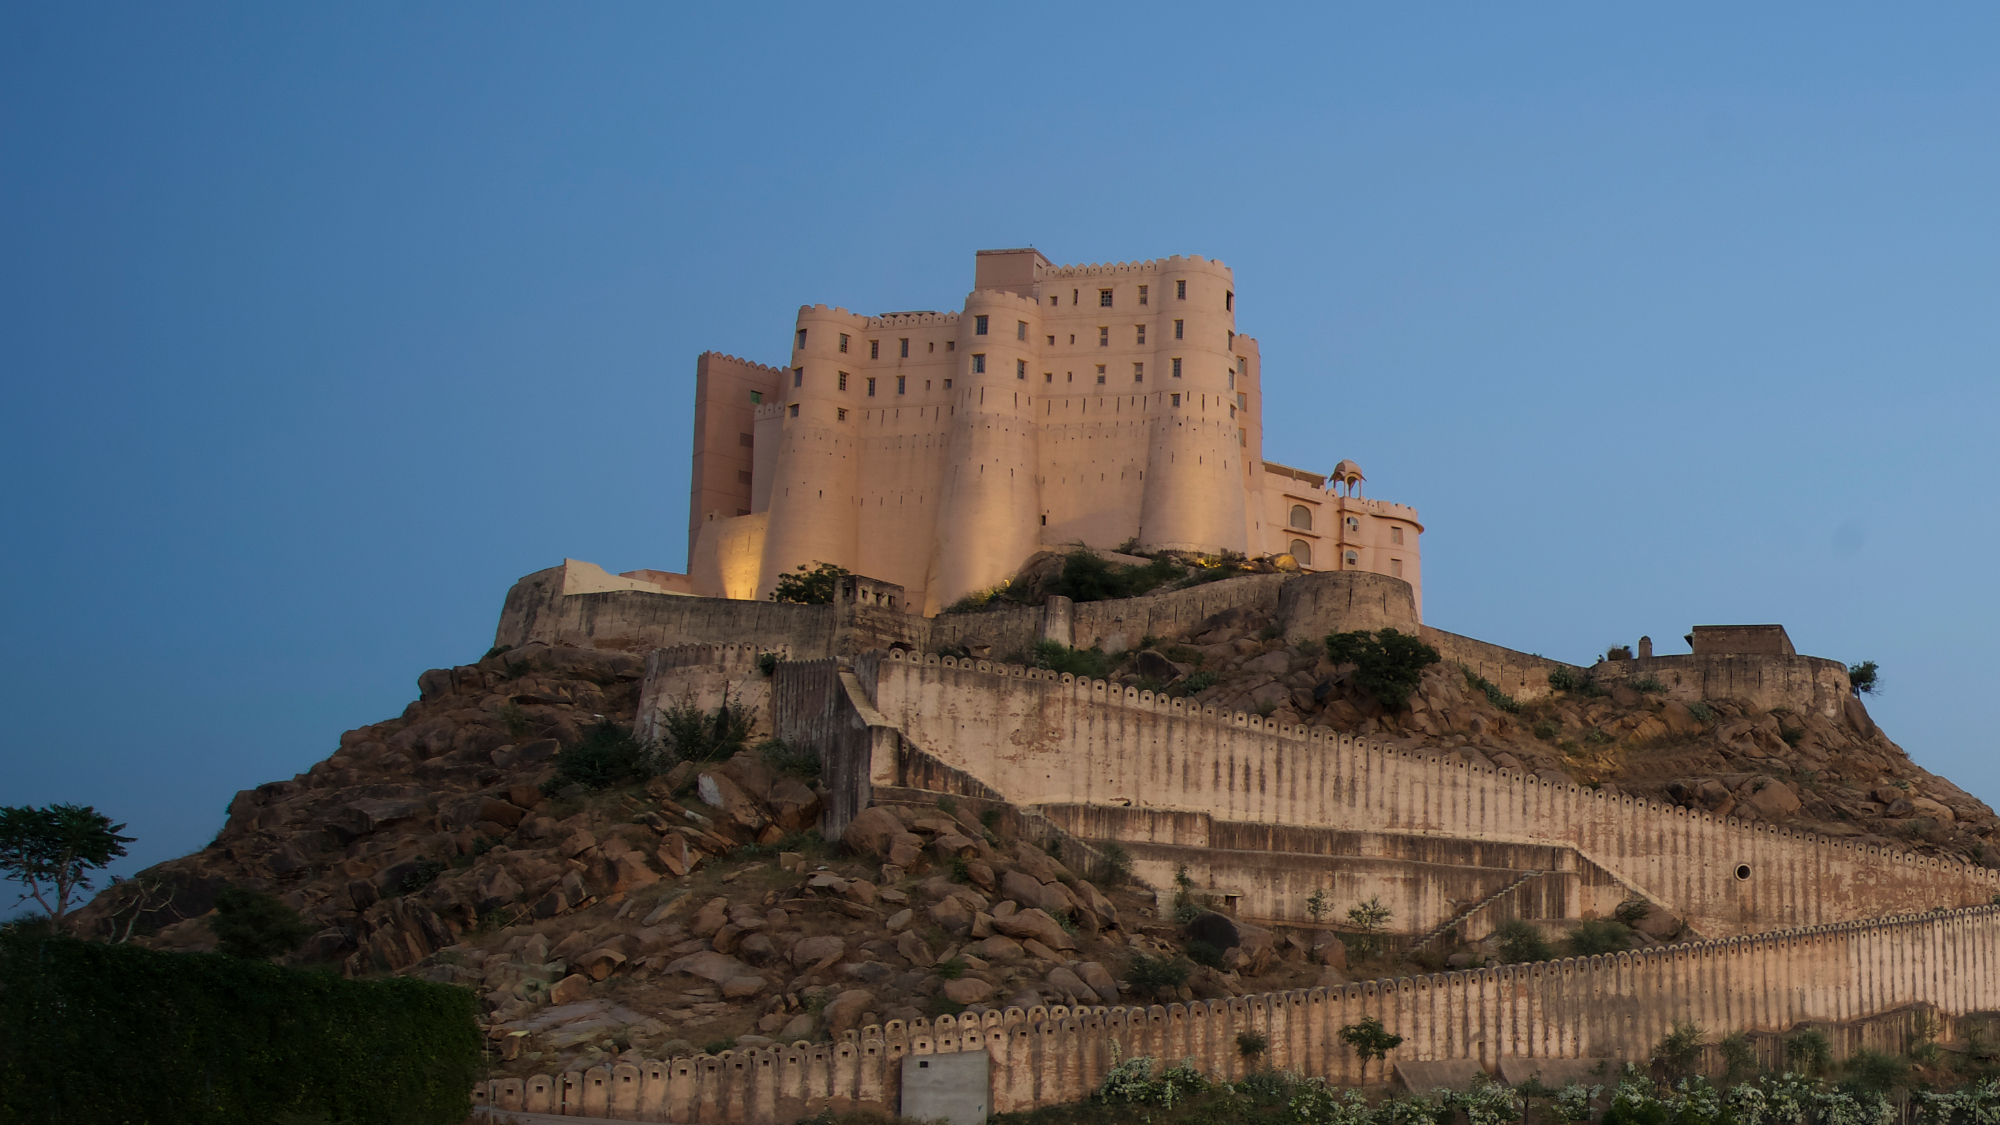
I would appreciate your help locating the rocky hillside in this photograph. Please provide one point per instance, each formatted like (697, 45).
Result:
(691, 906)
(690, 911)
(1840, 777)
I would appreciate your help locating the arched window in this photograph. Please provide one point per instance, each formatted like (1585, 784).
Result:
(1353, 559)
(1302, 550)
(1353, 524)
(1302, 518)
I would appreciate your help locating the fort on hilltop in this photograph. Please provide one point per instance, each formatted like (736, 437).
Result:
(938, 451)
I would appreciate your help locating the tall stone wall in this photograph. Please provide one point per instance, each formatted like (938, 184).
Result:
(1052, 740)
(1613, 1008)
(1522, 675)
(1766, 681)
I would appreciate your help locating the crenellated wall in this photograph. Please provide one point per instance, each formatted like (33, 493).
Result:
(1613, 1008)
(1042, 740)
(1767, 681)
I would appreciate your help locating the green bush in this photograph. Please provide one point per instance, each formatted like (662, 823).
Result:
(1865, 677)
(1387, 665)
(1597, 936)
(691, 734)
(1646, 683)
(1203, 953)
(118, 1033)
(1083, 663)
(1148, 974)
(1087, 576)
(256, 926)
(1491, 690)
(607, 756)
(809, 587)
(801, 762)
(1196, 684)
(1521, 942)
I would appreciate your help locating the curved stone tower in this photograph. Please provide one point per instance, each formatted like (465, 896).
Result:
(816, 471)
(1194, 494)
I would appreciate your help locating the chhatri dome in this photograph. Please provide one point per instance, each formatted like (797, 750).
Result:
(1349, 474)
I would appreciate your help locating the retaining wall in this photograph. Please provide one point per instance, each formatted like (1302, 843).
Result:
(1043, 739)
(1613, 1008)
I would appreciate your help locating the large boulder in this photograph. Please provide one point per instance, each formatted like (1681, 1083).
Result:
(1098, 978)
(720, 790)
(811, 951)
(872, 831)
(1773, 798)
(1215, 929)
(967, 990)
(1036, 924)
(711, 966)
(845, 1011)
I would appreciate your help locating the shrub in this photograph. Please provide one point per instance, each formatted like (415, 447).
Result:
(952, 969)
(1387, 665)
(1089, 577)
(690, 734)
(767, 663)
(220, 1039)
(1316, 905)
(1632, 911)
(607, 756)
(1271, 632)
(1618, 652)
(1117, 864)
(809, 587)
(1575, 681)
(1266, 709)
(1647, 682)
(256, 926)
(1702, 712)
(1865, 677)
(801, 762)
(1370, 916)
(1739, 1059)
(1680, 1048)
(1185, 654)
(1369, 1039)
(1251, 1045)
(1202, 953)
(1196, 683)
(1521, 942)
(1546, 729)
(1809, 1052)
(1090, 663)
(1491, 690)
(1149, 974)
(1598, 936)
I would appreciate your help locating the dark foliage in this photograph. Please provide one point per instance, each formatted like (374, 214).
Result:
(1387, 665)
(809, 587)
(256, 926)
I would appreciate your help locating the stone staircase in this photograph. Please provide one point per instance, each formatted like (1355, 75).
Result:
(1459, 919)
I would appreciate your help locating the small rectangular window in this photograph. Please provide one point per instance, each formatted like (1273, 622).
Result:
(1104, 298)
(1020, 330)
(979, 363)
(1142, 334)
(1052, 341)
(979, 325)
(874, 349)
(795, 410)
(1100, 373)
(1177, 367)
(802, 338)
(1395, 568)
(742, 476)
(1229, 301)
(947, 384)
(843, 381)
(1020, 369)
(1142, 294)
(1177, 400)
(756, 398)
(902, 383)
(843, 342)
(1395, 535)
(746, 441)
(1138, 373)
(871, 386)
(1243, 437)
(798, 376)
(1232, 412)
(1180, 290)
(1232, 380)
(905, 342)
(951, 345)
(1243, 400)
(1072, 295)
(1104, 336)
(1180, 329)
(1053, 300)
(842, 412)
(1048, 376)
(1232, 337)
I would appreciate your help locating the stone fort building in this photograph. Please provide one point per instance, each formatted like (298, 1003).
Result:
(1098, 404)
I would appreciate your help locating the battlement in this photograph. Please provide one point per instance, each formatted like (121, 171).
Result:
(912, 319)
(1612, 1007)
(1195, 263)
(725, 356)
(1382, 508)
(1105, 692)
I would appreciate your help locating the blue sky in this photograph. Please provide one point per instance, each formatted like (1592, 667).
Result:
(320, 324)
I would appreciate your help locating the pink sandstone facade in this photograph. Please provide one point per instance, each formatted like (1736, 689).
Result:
(938, 451)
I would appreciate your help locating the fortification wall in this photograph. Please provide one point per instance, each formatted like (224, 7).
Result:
(1053, 740)
(1613, 1007)
(1522, 675)
(1766, 681)
(1266, 872)
(703, 675)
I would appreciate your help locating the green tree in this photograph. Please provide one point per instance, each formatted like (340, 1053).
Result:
(1387, 665)
(809, 587)
(1680, 1048)
(1598, 935)
(1521, 942)
(1316, 905)
(1370, 916)
(1369, 1039)
(1865, 677)
(256, 926)
(53, 849)
(1809, 1053)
